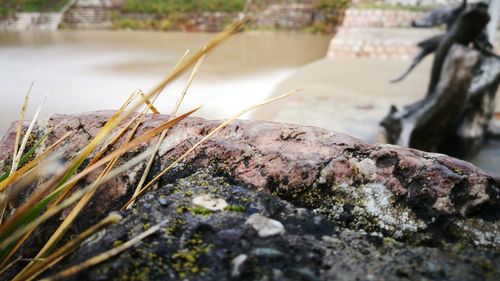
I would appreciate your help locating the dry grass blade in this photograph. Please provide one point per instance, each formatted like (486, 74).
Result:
(106, 255)
(20, 122)
(143, 138)
(12, 178)
(100, 136)
(176, 67)
(27, 174)
(63, 227)
(112, 123)
(149, 104)
(45, 263)
(216, 41)
(115, 138)
(98, 156)
(164, 134)
(26, 137)
(45, 169)
(66, 173)
(14, 220)
(70, 200)
(120, 134)
(19, 128)
(186, 88)
(28, 154)
(208, 136)
(10, 264)
(122, 108)
(85, 199)
(24, 219)
(19, 153)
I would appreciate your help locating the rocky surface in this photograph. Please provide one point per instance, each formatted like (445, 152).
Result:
(199, 244)
(350, 210)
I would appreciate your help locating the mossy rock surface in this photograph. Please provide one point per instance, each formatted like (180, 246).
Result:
(197, 246)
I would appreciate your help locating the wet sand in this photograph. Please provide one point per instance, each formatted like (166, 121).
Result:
(346, 95)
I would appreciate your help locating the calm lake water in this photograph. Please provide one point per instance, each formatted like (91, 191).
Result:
(92, 70)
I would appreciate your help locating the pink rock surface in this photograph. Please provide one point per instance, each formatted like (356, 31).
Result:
(289, 160)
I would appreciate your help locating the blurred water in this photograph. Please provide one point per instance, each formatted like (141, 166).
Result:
(93, 70)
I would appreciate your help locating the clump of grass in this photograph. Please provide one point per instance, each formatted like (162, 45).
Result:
(182, 6)
(9, 7)
(164, 24)
(330, 6)
(56, 194)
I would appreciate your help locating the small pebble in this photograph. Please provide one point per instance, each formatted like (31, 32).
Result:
(307, 274)
(267, 253)
(265, 226)
(237, 264)
(164, 201)
(210, 202)
(277, 274)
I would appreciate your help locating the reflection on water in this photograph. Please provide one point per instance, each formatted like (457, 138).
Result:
(91, 70)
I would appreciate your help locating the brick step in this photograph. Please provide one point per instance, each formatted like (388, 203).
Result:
(384, 43)
(84, 15)
(379, 18)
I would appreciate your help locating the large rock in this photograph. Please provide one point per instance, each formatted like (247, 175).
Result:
(198, 244)
(421, 200)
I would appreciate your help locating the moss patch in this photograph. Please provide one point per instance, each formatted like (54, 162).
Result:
(185, 261)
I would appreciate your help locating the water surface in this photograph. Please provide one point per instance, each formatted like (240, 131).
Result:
(92, 70)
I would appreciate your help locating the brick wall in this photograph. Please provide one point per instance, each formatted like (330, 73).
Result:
(379, 18)
(38, 21)
(266, 14)
(375, 33)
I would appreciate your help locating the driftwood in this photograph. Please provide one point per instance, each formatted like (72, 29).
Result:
(454, 115)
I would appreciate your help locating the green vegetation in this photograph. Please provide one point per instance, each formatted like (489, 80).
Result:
(183, 6)
(235, 208)
(333, 11)
(8, 7)
(185, 261)
(331, 6)
(201, 211)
